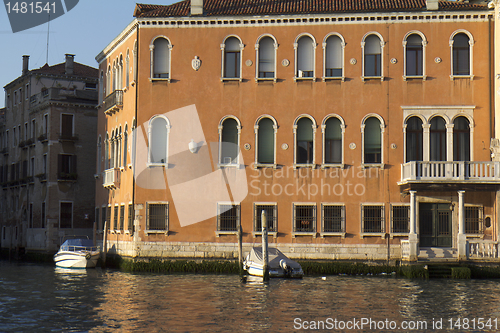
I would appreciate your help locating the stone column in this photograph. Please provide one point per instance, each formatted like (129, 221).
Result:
(413, 237)
(461, 239)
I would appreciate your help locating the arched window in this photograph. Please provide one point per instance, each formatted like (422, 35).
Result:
(461, 54)
(267, 58)
(125, 146)
(109, 82)
(414, 56)
(414, 139)
(304, 144)
(119, 148)
(112, 153)
(372, 141)
(332, 144)
(232, 58)
(120, 73)
(106, 152)
(461, 139)
(372, 56)
(305, 57)
(99, 152)
(158, 140)
(161, 58)
(229, 141)
(113, 78)
(334, 60)
(134, 76)
(101, 87)
(265, 141)
(438, 139)
(127, 70)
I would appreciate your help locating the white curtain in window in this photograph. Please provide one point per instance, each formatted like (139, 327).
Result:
(305, 54)
(333, 53)
(161, 58)
(158, 144)
(266, 55)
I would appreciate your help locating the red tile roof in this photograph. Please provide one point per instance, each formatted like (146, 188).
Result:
(278, 7)
(59, 69)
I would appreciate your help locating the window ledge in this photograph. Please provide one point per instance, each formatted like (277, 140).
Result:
(453, 77)
(218, 233)
(259, 79)
(236, 166)
(263, 165)
(325, 234)
(475, 235)
(414, 77)
(365, 78)
(330, 78)
(339, 165)
(223, 79)
(398, 234)
(307, 78)
(156, 232)
(304, 233)
(372, 165)
(159, 79)
(152, 165)
(127, 232)
(269, 233)
(372, 234)
(312, 166)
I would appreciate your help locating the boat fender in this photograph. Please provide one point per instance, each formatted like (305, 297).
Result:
(88, 256)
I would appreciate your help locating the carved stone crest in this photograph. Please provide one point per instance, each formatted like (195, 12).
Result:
(196, 63)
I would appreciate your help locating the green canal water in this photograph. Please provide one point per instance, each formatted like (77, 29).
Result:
(42, 298)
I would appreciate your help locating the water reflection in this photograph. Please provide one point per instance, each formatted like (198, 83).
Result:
(42, 298)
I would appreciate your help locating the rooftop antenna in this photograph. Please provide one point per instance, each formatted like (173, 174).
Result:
(48, 30)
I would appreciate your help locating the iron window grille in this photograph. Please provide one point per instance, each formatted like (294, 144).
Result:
(474, 220)
(400, 222)
(157, 218)
(228, 217)
(372, 218)
(271, 215)
(131, 217)
(115, 218)
(122, 216)
(333, 218)
(304, 218)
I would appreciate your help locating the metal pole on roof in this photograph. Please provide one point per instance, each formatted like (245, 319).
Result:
(264, 247)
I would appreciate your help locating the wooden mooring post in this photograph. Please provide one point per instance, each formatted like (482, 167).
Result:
(265, 276)
(104, 244)
(240, 248)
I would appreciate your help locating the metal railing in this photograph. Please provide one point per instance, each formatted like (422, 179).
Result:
(113, 101)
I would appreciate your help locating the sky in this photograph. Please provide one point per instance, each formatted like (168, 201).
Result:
(83, 31)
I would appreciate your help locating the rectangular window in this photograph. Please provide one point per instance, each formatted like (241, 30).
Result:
(130, 217)
(32, 167)
(14, 137)
(27, 91)
(228, 217)
(473, 220)
(122, 216)
(45, 124)
(157, 216)
(67, 126)
(400, 219)
(372, 219)
(232, 62)
(44, 164)
(115, 219)
(66, 215)
(271, 217)
(43, 215)
(33, 129)
(66, 167)
(304, 218)
(30, 222)
(108, 218)
(333, 218)
(103, 218)
(7, 138)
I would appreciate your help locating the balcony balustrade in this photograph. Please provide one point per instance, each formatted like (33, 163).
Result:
(450, 171)
(111, 179)
(113, 102)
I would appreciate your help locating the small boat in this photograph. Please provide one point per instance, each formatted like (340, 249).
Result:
(279, 264)
(78, 252)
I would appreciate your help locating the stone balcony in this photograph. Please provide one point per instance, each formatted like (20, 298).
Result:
(111, 179)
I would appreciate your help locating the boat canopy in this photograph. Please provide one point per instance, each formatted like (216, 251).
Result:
(77, 243)
(274, 256)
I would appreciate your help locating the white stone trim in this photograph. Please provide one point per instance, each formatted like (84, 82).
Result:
(294, 128)
(471, 55)
(382, 44)
(256, 130)
(424, 49)
(220, 127)
(382, 131)
(342, 43)
(257, 62)
(223, 64)
(323, 131)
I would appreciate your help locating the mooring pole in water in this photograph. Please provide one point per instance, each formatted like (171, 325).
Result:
(240, 248)
(104, 244)
(264, 247)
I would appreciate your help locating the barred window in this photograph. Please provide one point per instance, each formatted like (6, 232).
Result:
(333, 218)
(131, 217)
(372, 218)
(228, 217)
(157, 217)
(115, 218)
(304, 218)
(122, 216)
(400, 219)
(473, 220)
(271, 215)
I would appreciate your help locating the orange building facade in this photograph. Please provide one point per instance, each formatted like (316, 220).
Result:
(362, 133)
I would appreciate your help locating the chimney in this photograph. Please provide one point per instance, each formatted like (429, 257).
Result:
(68, 69)
(432, 4)
(196, 7)
(26, 59)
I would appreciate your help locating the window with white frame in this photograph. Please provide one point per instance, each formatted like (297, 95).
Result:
(66, 215)
(114, 226)
(131, 218)
(157, 216)
(461, 53)
(372, 219)
(332, 141)
(229, 132)
(304, 130)
(372, 141)
(119, 85)
(127, 69)
(461, 139)
(266, 53)
(265, 141)
(160, 58)
(332, 218)
(231, 58)
(333, 57)
(414, 55)
(271, 211)
(414, 139)
(372, 56)
(134, 65)
(305, 47)
(400, 219)
(438, 139)
(159, 127)
(125, 146)
(474, 220)
(228, 217)
(122, 218)
(304, 218)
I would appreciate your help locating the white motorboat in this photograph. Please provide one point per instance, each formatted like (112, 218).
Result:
(279, 264)
(77, 253)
